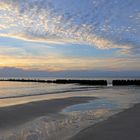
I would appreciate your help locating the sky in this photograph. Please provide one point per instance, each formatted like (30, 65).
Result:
(71, 36)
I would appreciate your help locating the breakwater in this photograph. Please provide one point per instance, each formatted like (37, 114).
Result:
(125, 82)
(61, 81)
(81, 82)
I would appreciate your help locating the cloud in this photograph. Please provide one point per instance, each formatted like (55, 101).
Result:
(55, 62)
(17, 72)
(102, 24)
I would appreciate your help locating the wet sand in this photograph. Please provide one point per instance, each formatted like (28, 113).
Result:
(15, 115)
(123, 126)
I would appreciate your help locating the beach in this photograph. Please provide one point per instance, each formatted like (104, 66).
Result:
(13, 116)
(40, 111)
(123, 126)
(41, 120)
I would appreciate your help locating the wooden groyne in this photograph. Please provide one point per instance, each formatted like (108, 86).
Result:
(125, 82)
(24, 80)
(81, 82)
(62, 81)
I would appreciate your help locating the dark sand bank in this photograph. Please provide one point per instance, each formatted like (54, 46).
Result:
(123, 126)
(18, 114)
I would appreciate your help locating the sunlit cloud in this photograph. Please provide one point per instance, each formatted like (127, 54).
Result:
(60, 63)
(52, 22)
(37, 26)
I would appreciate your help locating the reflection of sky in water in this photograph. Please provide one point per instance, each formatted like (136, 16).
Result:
(94, 105)
(112, 98)
(19, 88)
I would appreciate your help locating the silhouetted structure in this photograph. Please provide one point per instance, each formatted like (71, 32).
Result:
(62, 81)
(81, 82)
(125, 82)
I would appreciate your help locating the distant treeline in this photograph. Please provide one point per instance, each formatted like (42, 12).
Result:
(125, 82)
(81, 82)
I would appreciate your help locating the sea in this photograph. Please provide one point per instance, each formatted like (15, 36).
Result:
(109, 100)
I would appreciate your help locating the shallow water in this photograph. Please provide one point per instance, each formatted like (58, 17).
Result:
(70, 120)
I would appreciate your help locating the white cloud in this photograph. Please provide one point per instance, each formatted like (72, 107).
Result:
(91, 22)
(59, 63)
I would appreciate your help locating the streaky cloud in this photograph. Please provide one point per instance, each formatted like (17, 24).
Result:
(100, 23)
(16, 72)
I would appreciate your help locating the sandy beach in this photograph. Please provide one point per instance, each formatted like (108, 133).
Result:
(77, 115)
(123, 126)
(18, 114)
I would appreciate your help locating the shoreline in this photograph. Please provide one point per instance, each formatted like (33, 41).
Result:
(19, 114)
(122, 126)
